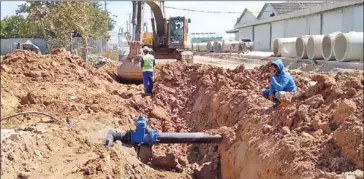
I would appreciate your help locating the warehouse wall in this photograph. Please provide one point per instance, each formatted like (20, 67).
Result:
(278, 30)
(262, 37)
(358, 18)
(246, 33)
(332, 21)
(314, 24)
(344, 20)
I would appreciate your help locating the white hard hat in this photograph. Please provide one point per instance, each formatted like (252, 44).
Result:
(147, 49)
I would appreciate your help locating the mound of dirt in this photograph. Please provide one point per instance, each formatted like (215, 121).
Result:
(69, 89)
(304, 138)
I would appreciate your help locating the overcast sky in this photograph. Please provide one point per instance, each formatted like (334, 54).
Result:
(201, 22)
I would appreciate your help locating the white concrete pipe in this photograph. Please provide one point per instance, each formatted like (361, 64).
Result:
(218, 47)
(314, 47)
(215, 47)
(209, 46)
(328, 46)
(349, 46)
(287, 44)
(230, 46)
(202, 47)
(301, 46)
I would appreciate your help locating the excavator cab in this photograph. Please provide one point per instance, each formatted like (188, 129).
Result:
(177, 39)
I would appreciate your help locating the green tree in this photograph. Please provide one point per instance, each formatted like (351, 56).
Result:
(57, 20)
(19, 27)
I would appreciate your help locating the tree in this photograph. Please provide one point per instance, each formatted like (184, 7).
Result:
(57, 20)
(19, 27)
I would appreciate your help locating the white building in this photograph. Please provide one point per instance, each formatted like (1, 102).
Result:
(278, 20)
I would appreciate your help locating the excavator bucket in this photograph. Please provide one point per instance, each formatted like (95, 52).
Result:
(129, 69)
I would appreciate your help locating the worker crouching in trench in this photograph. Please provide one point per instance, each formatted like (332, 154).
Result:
(281, 83)
(147, 64)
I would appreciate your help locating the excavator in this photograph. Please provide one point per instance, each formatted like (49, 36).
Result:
(170, 39)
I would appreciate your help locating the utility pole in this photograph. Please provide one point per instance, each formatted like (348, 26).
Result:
(107, 25)
(107, 22)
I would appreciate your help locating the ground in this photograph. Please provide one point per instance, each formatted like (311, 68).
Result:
(316, 134)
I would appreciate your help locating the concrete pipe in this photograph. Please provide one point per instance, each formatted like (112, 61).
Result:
(314, 47)
(202, 47)
(301, 46)
(349, 46)
(209, 46)
(328, 46)
(230, 46)
(215, 46)
(288, 45)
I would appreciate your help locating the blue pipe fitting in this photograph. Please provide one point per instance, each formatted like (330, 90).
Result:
(141, 135)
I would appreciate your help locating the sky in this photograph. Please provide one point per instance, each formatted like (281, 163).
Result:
(200, 22)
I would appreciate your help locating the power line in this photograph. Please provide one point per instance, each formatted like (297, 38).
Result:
(193, 10)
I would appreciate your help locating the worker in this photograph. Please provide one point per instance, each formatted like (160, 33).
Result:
(280, 81)
(147, 64)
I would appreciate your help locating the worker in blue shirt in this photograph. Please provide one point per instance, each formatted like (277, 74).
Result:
(280, 81)
(147, 64)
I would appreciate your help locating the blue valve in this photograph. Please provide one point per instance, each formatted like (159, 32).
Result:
(141, 135)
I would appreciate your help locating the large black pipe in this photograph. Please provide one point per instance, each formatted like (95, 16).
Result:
(194, 137)
(167, 137)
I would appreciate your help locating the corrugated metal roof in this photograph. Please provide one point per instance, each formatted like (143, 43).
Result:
(287, 7)
(283, 8)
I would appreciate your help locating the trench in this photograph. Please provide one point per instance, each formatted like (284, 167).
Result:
(259, 141)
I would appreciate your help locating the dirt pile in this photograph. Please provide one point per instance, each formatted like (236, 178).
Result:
(303, 139)
(69, 89)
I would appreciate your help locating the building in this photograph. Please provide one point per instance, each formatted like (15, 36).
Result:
(280, 20)
(205, 36)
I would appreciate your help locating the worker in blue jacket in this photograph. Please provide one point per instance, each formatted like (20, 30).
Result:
(147, 64)
(280, 81)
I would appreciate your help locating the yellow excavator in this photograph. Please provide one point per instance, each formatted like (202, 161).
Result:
(170, 39)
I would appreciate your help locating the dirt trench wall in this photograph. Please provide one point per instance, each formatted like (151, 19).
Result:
(297, 141)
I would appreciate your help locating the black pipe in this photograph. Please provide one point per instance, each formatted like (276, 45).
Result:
(166, 137)
(195, 137)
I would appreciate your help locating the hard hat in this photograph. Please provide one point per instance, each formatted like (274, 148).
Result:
(146, 49)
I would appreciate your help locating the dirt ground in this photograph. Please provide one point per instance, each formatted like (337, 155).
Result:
(316, 134)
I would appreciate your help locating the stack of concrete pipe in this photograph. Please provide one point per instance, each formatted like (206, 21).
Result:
(301, 46)
(335, 46)
(193, 47)
(284, 47)
(209, 46)
(201, 47)
(230, 46)
(328, 43)
(314, 47)
(217, 46)
(348, 46)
